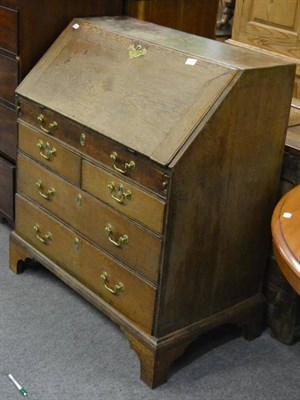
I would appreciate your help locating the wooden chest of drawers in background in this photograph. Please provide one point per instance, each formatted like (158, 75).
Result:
(27, 29)
(143, 180)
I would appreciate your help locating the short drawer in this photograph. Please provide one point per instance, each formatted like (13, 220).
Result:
(7, 174)
(8, 132)
(108, 279)
(9, 29)
(8, 78)
(123, 196)
(118, 235)
(50, 153)
(114, 156)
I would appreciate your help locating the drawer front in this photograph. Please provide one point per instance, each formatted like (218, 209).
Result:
(123, 196)
(8, 78)
(8, 132)
(9, 30)
(50, 153)
(117, 158)
(137, 247)
(86, 263)
(7, 173)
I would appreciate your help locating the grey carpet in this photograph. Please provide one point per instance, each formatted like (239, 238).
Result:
(61, 348)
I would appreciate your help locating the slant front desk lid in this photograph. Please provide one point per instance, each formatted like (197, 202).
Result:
(145, 86)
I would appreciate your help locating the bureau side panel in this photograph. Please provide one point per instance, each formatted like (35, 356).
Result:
(223, 192)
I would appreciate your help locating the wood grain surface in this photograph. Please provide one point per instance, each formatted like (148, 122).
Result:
(193, 16)
(90, 217)
(97, 146)
(224, 226)
(7, 175)
(270, 24)
(10, 3)
(86, 263)
(8, 132)
(63, 161)
(27, 30)
(155, 121)
(286, 236)
(8, 78)
(214, 218)
(140, 205)
(52, 17)
(9, 30)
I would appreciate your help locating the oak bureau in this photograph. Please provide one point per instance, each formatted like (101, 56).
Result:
(148, 165)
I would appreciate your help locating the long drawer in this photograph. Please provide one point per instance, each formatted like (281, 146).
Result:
(118, 235)
(123, 196)
(47, 151)
(108, 279)
(9, 29)
(8, 132)
(7, 172)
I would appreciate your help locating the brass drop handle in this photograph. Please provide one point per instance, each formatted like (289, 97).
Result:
(46, 239)
(119, 194)
(52, 125)
(118, 243)
(46, 151)
(128, 165)
(119, 287)
(46, 194)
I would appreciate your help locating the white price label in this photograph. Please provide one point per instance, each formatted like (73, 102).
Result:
(191, 61)
(287, 215)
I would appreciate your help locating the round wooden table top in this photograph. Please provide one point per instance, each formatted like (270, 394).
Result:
(286, 236)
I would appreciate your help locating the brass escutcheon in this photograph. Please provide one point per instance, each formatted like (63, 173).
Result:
(83, 139)
(165, 184)
(79, 200)
(76, 243)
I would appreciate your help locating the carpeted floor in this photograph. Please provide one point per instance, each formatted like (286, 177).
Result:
(61, 348)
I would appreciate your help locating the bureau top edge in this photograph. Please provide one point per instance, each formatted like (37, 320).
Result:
(204, 48)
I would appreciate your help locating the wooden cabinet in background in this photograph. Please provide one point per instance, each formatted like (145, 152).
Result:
(193, 16)
(27, 29)
(272, 26)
